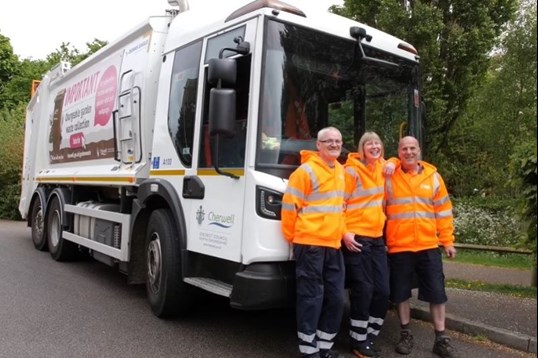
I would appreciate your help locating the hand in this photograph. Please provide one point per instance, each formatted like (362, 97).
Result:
(388, 168)
(450, 252)
(351, 244)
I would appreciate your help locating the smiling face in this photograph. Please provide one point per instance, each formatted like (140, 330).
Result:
(372, 150)
(370, 147)
(409, 153)
(329, 144)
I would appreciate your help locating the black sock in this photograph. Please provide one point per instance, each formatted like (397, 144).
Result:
(439, 333)
(404, 326)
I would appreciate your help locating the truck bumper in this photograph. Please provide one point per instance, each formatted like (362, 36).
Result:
(264, 285)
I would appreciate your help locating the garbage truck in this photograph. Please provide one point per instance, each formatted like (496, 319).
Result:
(166, 153)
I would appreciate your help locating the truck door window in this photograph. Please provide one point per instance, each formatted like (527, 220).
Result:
(217, 43)
(231, 150)
(182, 110)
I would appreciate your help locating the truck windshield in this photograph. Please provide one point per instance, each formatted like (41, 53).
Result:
(312, 80)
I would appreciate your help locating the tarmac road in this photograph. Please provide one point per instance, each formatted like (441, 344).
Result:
(86, 309)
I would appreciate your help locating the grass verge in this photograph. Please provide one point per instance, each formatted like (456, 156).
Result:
(516, 261)
(515, 291)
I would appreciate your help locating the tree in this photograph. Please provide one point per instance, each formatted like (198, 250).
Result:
(15, 82)
(11, 139)
(8, 63)
(454, 39)
(70, 54)
(17, 89)
(502, 115)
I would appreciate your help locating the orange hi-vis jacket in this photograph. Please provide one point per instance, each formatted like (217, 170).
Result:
(312, 206)
(419, 211)
(365, 193)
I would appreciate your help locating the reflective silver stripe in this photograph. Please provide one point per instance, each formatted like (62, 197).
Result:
(308, 349)
(444, 214)
(353, 173)
(372, 204)
(358, 323)
(322, 209)
(325, 336)
(306, 337)
(436, 184)
(288, 207)
(358, 337)
(378, 321)
(388, 187)
(400, 201)
(441, 201)
(316, 196)
(425, 201)
(296, 193)
(417, 215)
(325, 345)
(361, 193)
(312, 176)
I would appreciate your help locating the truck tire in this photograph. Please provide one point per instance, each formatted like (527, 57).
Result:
(168, 295)
(38, 226)
(59, 248)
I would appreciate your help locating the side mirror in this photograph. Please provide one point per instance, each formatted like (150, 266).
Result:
(222, 111)
(224, 69)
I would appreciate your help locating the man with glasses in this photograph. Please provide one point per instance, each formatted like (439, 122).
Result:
(313, 222)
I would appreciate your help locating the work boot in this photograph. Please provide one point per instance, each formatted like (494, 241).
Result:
(365, 350)
(443, 348)
(405, 345)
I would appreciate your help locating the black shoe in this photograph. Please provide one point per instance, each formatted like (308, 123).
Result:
(405, 345)
(374, 347)
(365, 351)
(443, 348)
(330, 354)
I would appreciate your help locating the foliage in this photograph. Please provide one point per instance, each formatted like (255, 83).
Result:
(17, 90)
(8, 63)
(11, 152)
(523, 177)
(453, 39)
(15, 85)
(70, 54)
(503, 111)
(487, 222)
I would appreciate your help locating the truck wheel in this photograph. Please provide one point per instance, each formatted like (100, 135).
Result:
(60, 249)
(38, 226)
(168, 295)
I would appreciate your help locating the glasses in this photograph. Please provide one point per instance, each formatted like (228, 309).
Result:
(331, 141)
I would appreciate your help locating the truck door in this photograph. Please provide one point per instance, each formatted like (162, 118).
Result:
(128, 120)
(215, 222)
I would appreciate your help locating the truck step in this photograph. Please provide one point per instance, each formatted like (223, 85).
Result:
(211, 285)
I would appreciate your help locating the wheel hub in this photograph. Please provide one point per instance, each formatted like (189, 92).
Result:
(154, 263)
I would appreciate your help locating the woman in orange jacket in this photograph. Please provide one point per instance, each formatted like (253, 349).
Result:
(364, 250)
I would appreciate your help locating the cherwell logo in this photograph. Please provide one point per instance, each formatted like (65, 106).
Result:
(223, 221)
(200, 215)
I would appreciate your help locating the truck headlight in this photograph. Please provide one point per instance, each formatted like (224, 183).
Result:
(268, 203)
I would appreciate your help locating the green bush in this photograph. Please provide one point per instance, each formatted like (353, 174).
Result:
(523, 178)
(486, 221)
(11, 152)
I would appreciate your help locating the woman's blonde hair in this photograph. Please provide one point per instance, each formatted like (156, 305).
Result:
(368, 136)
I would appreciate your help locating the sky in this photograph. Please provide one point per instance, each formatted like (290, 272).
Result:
(37, 28)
